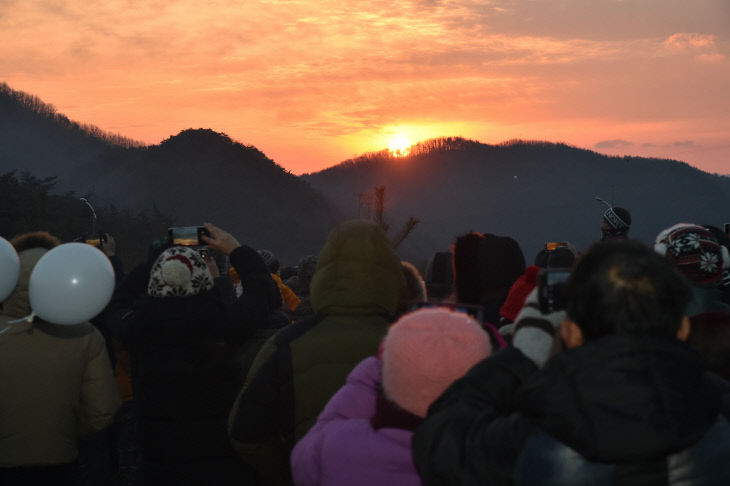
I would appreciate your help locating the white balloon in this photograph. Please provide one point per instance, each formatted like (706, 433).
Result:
(9, 269)
(71, 283)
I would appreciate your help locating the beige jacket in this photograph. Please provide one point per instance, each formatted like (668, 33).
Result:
(56, 383)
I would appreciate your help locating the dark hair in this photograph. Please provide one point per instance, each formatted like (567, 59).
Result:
(560, 257)
(624, 287)
(415, 290)
(486, 265)
(439, 275)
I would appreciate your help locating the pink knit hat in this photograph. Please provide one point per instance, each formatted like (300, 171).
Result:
(425, 351)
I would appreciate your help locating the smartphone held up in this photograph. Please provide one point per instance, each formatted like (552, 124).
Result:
(187, 235)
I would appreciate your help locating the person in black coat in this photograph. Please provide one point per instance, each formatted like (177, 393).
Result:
(627, 403)
(184, 339)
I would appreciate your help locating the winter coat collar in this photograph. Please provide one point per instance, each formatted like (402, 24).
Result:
(389, 415)
(55, 330)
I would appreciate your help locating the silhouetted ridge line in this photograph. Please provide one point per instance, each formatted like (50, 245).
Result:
(197, 175)
(538, 149)
(23, 103)
(196, 138)
(430, 146)
(218, 147)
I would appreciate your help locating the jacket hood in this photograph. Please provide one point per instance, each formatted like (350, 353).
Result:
(623, 398)
(358, 272)
(18, 303)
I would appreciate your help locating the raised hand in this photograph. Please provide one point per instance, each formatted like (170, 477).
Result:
(219, 240)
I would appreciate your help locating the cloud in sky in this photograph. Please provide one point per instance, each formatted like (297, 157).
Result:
(613, 144)
(703, 47)
(311, 80)
(684, 41)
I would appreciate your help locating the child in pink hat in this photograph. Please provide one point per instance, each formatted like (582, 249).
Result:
(363, 435)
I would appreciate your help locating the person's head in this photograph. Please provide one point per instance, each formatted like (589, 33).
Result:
(270, 260)
(425, 351)
(695, 251)
(439, 275)
(415, 287)
(560, 256)
(615, 224)
(179, 272)
(724, 240)
(36, 239)
(30, 247)
(288, 272)
(485, 267)
(623, 287)
(306, 266)
(358, 272)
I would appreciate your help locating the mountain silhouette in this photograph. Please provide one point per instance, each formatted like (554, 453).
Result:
(195, 176)
(533, 191)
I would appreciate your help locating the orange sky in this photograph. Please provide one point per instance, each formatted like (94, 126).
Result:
(312, 83)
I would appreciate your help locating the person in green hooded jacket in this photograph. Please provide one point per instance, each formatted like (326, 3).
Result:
(355, 294)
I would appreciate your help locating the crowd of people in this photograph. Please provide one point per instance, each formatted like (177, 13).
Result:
(211, 364)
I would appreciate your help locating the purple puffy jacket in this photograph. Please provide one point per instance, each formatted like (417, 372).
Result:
(343, 448)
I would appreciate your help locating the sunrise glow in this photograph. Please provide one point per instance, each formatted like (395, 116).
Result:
(308, 83)
(399, 146)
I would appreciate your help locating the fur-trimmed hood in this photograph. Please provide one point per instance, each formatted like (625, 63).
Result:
(36, 239)
(30, 247)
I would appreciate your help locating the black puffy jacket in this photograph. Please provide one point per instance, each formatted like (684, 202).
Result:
(186, 372)
(620, 410)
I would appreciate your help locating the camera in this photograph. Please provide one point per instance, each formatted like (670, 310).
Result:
(187, 235)
(551, 284)
(95, 240)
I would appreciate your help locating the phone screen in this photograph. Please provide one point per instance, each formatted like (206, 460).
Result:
(186, 235)
(552, 245)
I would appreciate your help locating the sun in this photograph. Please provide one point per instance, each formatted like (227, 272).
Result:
(399, 146)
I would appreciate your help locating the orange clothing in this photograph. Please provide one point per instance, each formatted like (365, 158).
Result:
(287, 295)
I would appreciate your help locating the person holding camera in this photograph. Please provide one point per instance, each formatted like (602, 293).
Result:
(184, 341)
(627, 401)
